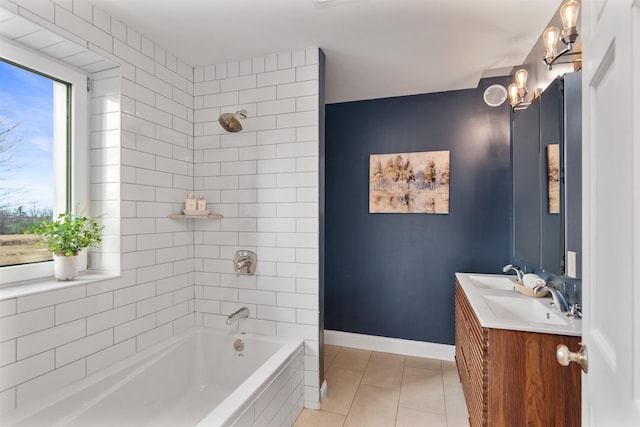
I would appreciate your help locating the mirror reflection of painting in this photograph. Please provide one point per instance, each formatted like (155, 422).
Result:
(409, 183)
(553, 177)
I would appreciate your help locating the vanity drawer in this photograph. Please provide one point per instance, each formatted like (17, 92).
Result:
(471, 356)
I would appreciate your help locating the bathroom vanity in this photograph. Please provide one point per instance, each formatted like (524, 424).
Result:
(506, 355)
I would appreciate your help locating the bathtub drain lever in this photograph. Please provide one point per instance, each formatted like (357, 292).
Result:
(238, 345)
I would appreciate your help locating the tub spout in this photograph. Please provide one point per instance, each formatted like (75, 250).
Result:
(243, 313)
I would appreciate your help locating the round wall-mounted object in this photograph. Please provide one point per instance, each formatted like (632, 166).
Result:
(495, 95)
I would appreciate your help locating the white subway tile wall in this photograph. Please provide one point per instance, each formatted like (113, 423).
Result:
(154, 138)
(141, 157)
(256, 177)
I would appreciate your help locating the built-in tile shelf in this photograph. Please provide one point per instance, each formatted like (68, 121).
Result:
(209, 216)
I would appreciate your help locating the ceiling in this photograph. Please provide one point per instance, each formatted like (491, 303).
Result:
(374, 48)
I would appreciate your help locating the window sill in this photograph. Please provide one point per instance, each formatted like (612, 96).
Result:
(21, 289)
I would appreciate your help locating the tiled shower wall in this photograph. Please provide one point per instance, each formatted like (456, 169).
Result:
(264, 180)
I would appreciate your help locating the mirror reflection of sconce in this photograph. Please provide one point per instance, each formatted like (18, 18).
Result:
(569, 14)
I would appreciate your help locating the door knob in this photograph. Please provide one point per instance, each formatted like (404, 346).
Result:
(565, 356)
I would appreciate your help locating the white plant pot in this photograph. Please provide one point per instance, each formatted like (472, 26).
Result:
(65, 267)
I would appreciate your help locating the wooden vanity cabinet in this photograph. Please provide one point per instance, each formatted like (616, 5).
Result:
(512, 378)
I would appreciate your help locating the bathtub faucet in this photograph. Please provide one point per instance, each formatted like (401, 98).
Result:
(245, 262)
(243, 313)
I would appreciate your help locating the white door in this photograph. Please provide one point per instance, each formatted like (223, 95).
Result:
(611, 212)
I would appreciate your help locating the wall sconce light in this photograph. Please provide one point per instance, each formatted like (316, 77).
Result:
(518, 91)
(569, 14)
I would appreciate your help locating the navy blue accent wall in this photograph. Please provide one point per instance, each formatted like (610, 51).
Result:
(392, 275)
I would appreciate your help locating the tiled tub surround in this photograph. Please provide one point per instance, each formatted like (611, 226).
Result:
(144, 160)
(194, 378)
(264, 180)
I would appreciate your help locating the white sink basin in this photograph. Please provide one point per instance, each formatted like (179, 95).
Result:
(524, 310)
(498, 306)
(495, 282)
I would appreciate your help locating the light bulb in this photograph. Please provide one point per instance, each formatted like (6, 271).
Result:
(521, 78)
(550, 37)
(514, 97)
(569, 14)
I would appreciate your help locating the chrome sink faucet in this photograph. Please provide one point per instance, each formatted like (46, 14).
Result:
(515, 268)
(243, 313)
(559, 301)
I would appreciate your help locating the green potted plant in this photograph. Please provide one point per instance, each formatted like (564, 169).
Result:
(65, 238)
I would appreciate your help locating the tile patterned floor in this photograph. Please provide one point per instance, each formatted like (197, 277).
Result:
(372, 389)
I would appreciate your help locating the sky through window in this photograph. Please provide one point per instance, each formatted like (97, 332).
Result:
(26, 102)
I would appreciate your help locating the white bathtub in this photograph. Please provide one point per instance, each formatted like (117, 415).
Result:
(196, 378)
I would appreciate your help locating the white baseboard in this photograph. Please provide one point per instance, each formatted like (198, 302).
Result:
(323, 390)
(390, 345)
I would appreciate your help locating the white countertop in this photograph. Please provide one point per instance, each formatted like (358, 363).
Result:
(507, 309)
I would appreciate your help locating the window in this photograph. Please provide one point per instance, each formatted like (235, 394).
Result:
(33, 146)
(43, 154)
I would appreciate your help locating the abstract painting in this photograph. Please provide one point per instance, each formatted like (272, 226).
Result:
(409, 182)
(553, 177)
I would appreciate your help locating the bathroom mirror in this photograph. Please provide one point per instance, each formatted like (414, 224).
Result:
(551, 157)
(526, 188)
(546, 178)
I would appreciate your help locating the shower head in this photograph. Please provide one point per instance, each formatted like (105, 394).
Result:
(231, 121)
